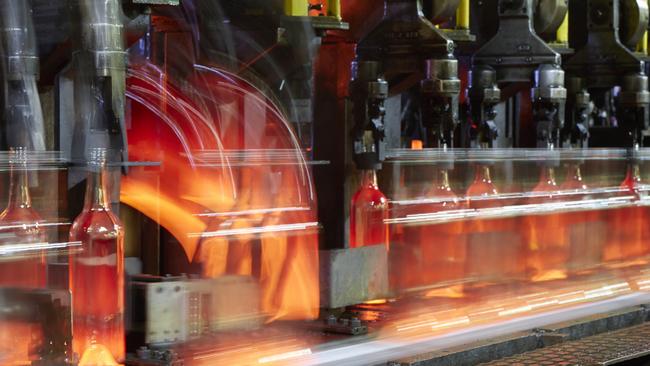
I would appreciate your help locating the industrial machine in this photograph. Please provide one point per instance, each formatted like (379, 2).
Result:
(338, 182)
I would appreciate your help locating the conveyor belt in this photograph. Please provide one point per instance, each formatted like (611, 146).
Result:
(603, 349)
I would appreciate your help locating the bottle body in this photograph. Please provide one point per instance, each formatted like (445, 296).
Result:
(547, 250)
(494, 245)
(443, 246)
(20, 225)
(97, 272)
(585, 230)
(628, 232)
(368, 211)
(23, 266)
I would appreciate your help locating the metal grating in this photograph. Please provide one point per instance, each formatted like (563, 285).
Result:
(603, 349)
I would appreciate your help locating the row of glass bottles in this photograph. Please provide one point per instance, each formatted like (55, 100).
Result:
(96, 270)
(538, 247)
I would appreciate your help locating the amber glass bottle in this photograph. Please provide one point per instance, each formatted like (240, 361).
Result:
(628, 231)
(544, 235)
(22, 263)
(20, 228)
(368, 211)
(97, 272)
(585, 229)
(442, 246)
(494, 245)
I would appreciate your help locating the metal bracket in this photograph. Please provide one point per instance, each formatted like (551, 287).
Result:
(516, 50)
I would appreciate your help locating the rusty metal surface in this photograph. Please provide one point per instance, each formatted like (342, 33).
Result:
(603, 349)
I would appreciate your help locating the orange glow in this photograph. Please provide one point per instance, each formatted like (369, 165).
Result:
(416, 144)
(18, 340)
(376, 302)
(547, 247)
(450, 292)
(97, 355)
(211, 193)
(368, 210)
(550, 275)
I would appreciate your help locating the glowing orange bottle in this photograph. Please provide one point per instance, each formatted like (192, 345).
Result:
(20, 230)
(586, 232)
(628, 232)
(545, 238)
(442, 247)
(368, 211)
(494, 245)
(22, 263)
(97, 272)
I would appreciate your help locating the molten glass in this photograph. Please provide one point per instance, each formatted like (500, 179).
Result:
(20, 228)
(545, 237)
(628, 232)
(442, 246)
(585, 230)
(494, 246)
(97, 272)
(368, 211)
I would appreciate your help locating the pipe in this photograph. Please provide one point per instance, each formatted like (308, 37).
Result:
(562, 35)
(462, 15)
(642, 46)
(296, 8)
(100, 80)
(334, 8)
(24, 118)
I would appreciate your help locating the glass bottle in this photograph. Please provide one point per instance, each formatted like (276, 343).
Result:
(21, 265)
(442, 247)
(544, 235)
(494, 244)
(628, 229)
(480, 191)
(368, 211)
(20, 228)
(585, 230)
(97, 271)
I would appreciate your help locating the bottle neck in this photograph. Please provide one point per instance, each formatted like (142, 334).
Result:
(574, 173)
(547, 176)
(634, 173)
(483, 174)
(442, 179)
(19, 195)
(369, 178)
(96, 193)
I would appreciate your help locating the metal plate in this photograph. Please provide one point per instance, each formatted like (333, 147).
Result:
(352, 276)
(604, 349)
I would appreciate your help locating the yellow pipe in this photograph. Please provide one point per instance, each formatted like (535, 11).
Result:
(562, 35)
(296, 8)
(462, 15)
(334, 8)
(642, 46)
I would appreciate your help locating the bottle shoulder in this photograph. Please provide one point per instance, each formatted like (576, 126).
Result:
(100, 221)
(19, 214)
(369, 194)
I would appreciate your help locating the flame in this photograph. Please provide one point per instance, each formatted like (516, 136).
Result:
(204, 136)
(97, 355)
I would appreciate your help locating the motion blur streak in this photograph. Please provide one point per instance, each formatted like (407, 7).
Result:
(238, 218)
